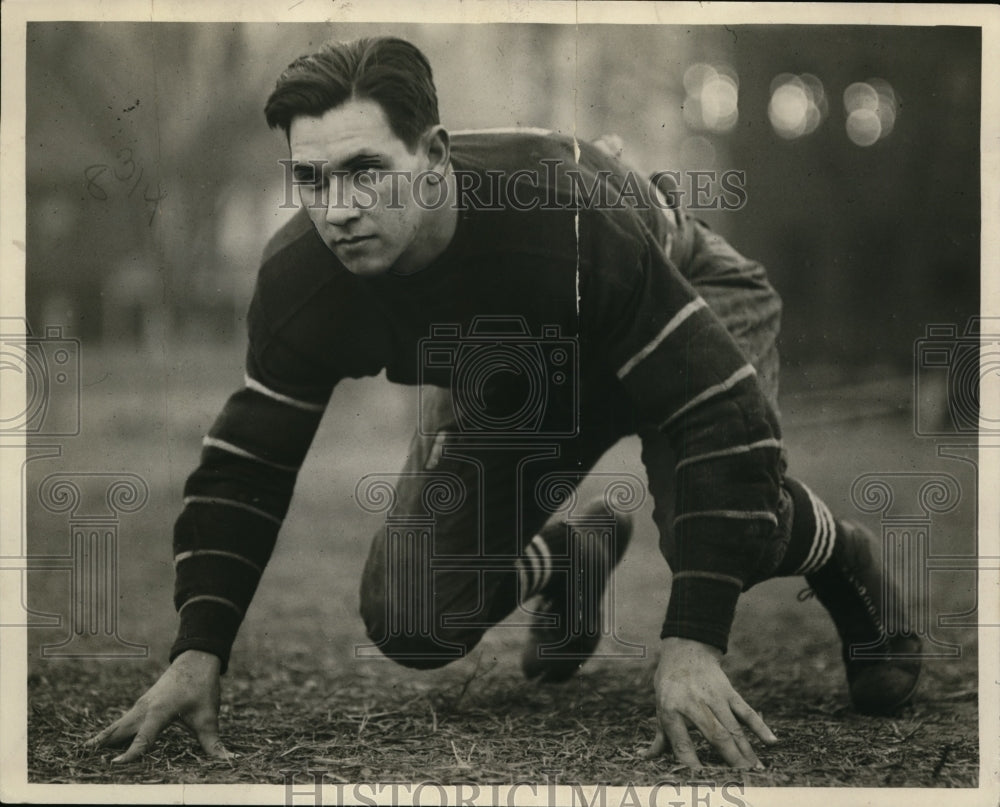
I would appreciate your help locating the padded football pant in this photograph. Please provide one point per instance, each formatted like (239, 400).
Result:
(442, 570)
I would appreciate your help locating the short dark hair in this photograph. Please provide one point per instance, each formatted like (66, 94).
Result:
(387, 70)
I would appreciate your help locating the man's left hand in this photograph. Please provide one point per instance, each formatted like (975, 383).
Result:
(691, 687)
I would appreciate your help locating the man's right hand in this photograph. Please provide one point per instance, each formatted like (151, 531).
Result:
(188, 691)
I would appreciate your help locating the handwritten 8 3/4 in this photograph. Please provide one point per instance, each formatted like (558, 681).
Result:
(127, 172)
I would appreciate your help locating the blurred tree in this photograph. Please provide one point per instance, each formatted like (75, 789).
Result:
(865, 244)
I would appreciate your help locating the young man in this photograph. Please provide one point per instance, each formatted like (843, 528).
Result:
(662, 329)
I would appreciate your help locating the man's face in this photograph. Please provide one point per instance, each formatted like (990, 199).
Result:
(371, 221)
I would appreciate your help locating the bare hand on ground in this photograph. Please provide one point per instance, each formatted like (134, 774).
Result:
(692, 688)
(188, 691)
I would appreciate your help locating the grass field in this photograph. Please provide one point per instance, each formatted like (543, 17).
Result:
(296, 699)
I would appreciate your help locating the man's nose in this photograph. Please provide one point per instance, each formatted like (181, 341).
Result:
(342, 207)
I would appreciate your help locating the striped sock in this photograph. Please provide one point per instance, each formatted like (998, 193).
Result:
(813, 532)
(535, 568)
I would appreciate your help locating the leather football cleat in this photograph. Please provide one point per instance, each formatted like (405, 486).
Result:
(882, 660)
(567, 625)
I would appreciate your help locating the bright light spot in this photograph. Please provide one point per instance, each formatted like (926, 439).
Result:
(798, 105)
(886, 104)
(778, 80)
(886, 94)
(788, 110)
(696, 76)
(860, 95)
(719, 103)
(815, 86)
(871, 110)
(864, 127)
(712, 100)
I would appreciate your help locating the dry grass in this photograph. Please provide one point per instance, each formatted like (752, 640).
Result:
(485, 725)
(297, 700)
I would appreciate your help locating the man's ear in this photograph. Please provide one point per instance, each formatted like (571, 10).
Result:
(437, 147)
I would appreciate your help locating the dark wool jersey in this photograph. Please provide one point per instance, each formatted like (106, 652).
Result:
(608, 271)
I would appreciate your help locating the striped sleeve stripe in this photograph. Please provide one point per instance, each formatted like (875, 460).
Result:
(232, 503)
(722, 578)
(668, 329)
(716, 389)
(211, 598)
(745, 515)
(770, 442)
(215, 442)
(192, 553)
(306, 406)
